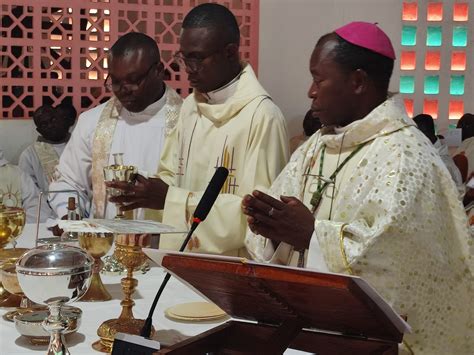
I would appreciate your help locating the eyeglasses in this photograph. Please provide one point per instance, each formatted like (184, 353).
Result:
(117, 86)
(194, 64)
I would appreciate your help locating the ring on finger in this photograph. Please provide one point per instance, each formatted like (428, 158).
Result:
(270, 213)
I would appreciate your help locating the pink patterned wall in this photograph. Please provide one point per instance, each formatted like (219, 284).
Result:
(51, 50)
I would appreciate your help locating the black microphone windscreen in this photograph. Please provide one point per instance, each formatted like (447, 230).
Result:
(211, 193)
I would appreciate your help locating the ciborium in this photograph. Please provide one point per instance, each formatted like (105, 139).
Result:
(12, 221)
(128, 251)
(97, 245)
(54, 275)
(118, 172)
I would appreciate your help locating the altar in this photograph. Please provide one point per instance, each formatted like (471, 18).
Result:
(168, 331)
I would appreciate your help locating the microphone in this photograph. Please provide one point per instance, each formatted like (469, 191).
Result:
(200, 214)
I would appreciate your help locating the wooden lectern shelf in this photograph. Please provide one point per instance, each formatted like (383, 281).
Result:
(278, 307)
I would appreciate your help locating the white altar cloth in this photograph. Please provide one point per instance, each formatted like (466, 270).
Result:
(94, 313)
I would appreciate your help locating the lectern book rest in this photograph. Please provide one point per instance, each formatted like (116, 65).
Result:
(276, 307)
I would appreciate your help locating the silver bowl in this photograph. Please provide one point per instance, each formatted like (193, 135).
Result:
(55, 274)
(30, 324)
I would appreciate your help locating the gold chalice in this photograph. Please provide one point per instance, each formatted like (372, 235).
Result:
(12, 221)
(10, 282)
(119, 172)
(128, 251)
(96, 245)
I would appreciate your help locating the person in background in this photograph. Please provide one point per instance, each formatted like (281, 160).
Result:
(425, 124)
(464, 155)
(40, 159)
(17, 189)
(311, 124)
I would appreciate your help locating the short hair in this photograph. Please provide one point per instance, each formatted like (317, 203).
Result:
(69, 112)
(351, 57)
(216, 17)
(466, 120)
(425, 123)
(41, 111)
(134, 41)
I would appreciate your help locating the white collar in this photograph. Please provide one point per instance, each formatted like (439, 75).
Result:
(150, 111)
(219, 96)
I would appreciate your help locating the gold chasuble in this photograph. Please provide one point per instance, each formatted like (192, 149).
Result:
(247, 135)
(391, 216)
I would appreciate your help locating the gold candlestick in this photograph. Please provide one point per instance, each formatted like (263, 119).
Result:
(97, 245)
(128, 251)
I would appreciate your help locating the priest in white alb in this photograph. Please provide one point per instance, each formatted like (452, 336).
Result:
(40, 159)
(369, 195)
(134, 122)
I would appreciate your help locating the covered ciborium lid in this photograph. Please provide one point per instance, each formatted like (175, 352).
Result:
(55, 270)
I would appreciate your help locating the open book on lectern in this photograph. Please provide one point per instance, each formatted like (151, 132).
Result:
(230, 281)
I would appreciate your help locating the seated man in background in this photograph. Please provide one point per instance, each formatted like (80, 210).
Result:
(368, 195)
(425, 124)
(17, 189)
(229, 120)
(135, 121)
(311, 124)
(40, 159)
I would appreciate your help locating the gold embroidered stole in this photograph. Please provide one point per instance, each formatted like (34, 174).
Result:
(101, 145)
(48, 158)
(172, 107)
(103, 141)
(10, 185)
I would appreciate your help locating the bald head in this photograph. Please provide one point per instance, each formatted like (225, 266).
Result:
(134, 42)
(214, 17)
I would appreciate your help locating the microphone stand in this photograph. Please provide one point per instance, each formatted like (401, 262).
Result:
(146, 330)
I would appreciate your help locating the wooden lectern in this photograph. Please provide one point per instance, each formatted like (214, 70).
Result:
(287, 308)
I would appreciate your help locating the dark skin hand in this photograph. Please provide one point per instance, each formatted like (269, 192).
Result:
(144, 193)
(291, 221)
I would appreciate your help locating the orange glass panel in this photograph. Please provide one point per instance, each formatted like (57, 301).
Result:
(410, 11)
(456, 109)
(409, 107)
(435, 11)
(461, 11)
(430, 107)
(408, 60)
(458, 60)
(433, 60)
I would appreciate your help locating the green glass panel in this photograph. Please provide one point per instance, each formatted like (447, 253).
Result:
(434, 36)
(431, 85)
(407, 84)
(459, 36)
(456, 86)
(408, 35)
